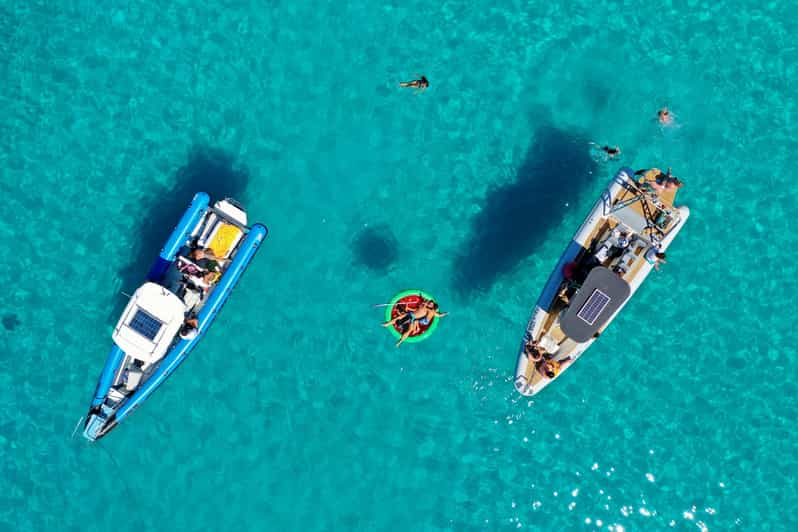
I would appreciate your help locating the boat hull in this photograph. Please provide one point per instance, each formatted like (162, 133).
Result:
(102, 418)
(578, 245)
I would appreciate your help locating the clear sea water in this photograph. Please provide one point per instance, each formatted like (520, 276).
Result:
(296, 412)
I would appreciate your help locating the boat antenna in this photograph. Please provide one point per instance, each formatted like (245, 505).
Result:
(76, 427)
(125, 294)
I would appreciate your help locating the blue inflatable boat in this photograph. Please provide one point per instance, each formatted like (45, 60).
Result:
(168, 315)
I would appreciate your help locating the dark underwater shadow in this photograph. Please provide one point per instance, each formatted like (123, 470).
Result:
(207, 170)
(376, 248)
(516, 217)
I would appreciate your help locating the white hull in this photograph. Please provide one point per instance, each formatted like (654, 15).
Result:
(544, 325)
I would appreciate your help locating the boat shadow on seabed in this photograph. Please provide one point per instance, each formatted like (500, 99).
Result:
(516, 217)
(208, 170)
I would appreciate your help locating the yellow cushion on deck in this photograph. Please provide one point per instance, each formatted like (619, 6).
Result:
(224, 240)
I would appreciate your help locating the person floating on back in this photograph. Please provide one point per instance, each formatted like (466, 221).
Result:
(427, 310)
(420, 83)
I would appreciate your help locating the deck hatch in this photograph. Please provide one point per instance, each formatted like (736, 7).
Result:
(145, 324)
(599, 297)
(592, 308)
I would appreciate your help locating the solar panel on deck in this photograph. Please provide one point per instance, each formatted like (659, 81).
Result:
(145, 325)
(592, 308)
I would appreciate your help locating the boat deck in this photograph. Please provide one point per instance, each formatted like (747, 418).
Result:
(640, 210)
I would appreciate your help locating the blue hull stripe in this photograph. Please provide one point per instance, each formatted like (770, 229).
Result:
(180, 235)
(115, 358)
(206, 316)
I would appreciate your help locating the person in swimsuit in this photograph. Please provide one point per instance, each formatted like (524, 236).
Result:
(210, 263)
(666, 181)
(420, 84)
(551, 368)
(655, 256)
(405, 316)
(422, 316)
(189, 329)
(611, 152)
(665, 117)
(533, 351)
(656, 180)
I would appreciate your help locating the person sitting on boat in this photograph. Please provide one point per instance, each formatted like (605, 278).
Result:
(575, 273)
(620, 269)
(422, 316)
(622, 239)
(658, 181)
(210, 264)
(204, 258)
(655, 256)
(665, 181)
(612, 247)
(551, 368)
(534, 351)
(190, 328)
(562, 295)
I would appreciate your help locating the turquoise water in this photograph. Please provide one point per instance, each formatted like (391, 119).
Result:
(296, 412)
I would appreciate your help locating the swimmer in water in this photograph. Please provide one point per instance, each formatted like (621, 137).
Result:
(665, 116)
(611, 152)
(420, 83)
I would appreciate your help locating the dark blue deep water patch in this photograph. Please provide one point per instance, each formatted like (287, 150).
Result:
(10, 322)
(516, 217)
(376, 248)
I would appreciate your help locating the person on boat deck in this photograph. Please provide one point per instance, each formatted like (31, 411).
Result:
(206, 260)
(661, 181)
(620, 270)
(420, 84)
(622, 238)
(655, 256)
(190, 328)
(423, 315)
(611, 249)
(533, 351)
(551, 368)
(574, 273)
(666, 181)
(562, 295)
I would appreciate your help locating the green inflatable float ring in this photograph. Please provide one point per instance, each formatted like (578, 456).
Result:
(401, 302)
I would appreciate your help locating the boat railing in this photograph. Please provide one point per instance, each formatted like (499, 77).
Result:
(641, 194)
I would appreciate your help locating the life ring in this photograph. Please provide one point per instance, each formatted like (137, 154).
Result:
(404, 301)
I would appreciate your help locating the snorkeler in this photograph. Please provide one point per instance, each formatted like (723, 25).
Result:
(420, 83)
(610, 151)
(665, 116)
